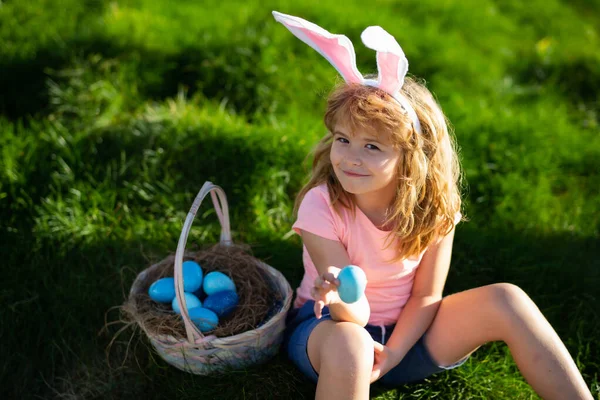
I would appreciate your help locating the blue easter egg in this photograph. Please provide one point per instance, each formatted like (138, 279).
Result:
(203, 318)
(222, 303)
(353, 282)
(217, 282)
(191, 301)
(192, 276)
(163, 290)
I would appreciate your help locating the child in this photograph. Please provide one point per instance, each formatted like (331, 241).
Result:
(384, 196)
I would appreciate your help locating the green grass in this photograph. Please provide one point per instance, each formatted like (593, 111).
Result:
(113, 114)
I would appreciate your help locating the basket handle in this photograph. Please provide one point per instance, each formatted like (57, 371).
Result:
(220, 203)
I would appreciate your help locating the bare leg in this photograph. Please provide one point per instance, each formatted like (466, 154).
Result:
(503, 311)
(342, 354)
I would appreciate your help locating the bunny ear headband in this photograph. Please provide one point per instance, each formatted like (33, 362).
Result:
(338, 50)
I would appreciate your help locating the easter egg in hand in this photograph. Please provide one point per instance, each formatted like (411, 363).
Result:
(353, 282)
(217, 282)
(203, 318)
(191, 301)
(192, 276)
(163, 290)
(222, 303)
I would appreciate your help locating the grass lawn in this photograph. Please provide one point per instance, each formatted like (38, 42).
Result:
(114, 113)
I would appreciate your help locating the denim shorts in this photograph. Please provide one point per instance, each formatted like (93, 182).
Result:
(416, 364)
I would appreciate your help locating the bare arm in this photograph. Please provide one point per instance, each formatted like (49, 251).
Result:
(329, 256)
(426, 295)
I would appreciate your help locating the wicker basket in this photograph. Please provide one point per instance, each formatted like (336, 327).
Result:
(203, 355)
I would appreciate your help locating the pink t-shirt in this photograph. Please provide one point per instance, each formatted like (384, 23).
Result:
(388, 284)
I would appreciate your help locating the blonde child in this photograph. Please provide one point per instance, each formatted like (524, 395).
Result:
(384, 195)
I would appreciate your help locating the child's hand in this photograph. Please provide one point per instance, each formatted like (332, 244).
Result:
(385, 360)
(324, 292)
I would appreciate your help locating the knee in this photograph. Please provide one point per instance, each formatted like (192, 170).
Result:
(347, 350)
(509, 300)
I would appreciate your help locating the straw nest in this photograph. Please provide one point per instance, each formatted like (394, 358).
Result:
(258, 300)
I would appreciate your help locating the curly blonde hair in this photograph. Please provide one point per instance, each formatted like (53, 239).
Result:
(429, 176)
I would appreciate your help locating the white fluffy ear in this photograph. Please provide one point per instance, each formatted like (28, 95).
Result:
(391, 61)
(337, 49)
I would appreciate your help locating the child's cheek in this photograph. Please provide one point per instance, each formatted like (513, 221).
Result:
(387, 165)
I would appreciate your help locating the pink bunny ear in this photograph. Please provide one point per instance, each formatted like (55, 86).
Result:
(337, 49)
(392, 66)
(391, 61)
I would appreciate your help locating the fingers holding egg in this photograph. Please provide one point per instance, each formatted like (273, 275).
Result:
(318, 281)
(329, 277)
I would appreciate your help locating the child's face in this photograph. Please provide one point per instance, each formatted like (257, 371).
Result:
(362, 163)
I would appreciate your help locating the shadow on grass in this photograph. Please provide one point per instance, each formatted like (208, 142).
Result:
(56, 302)
(229, 71)
(23, 84)
(51, 324)
(577, 79)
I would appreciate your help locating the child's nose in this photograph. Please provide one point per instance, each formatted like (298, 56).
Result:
(354, 157)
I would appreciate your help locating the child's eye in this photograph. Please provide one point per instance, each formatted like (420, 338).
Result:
(372, 147)
(342, 140)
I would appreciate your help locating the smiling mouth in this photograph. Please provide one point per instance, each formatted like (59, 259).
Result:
(353, 174)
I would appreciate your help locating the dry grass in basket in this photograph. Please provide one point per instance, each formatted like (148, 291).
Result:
(256, 296)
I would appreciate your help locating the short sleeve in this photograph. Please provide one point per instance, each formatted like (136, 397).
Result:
(457, 218)
(316, 216)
